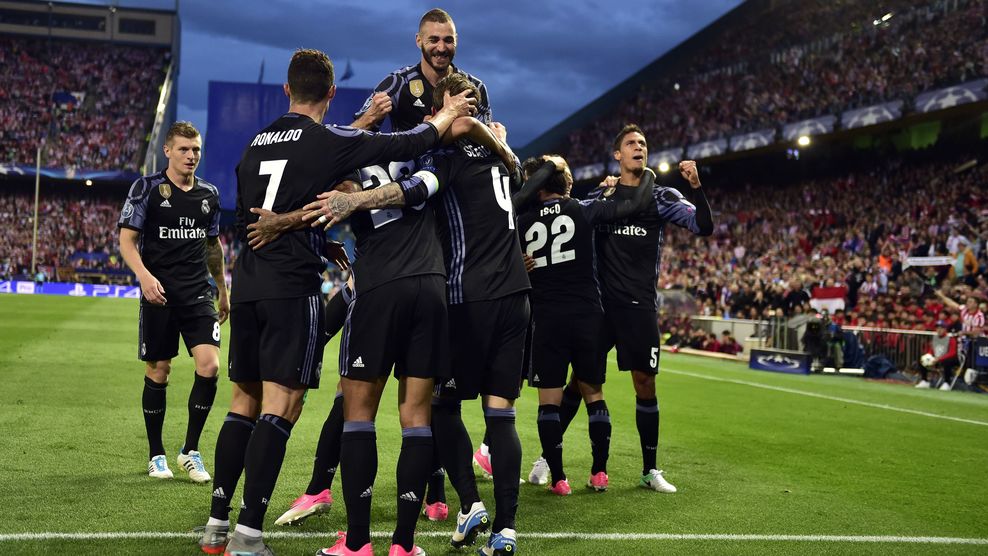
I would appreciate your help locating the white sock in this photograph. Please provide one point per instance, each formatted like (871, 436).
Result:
(249, 531)
(220, 522)
(484, 450)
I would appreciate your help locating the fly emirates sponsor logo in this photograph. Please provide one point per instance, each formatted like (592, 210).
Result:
(623, 230)
(187, 230)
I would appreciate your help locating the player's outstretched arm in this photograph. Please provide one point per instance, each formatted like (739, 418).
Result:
(151, 288)
(216, 265)
(333, 207)
(271, 225)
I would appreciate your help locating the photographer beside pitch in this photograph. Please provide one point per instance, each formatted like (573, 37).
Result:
(169, 237)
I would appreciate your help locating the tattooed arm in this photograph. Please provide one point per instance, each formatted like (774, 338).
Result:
(215, 264)
(334, 207)
(269, 226)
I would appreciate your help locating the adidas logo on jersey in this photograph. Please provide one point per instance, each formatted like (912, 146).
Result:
(367, 493)
(218, 493)
(165, 204)
(535, 378)
(451, 383)
(358, 363)
(418, 102)
(409, 497)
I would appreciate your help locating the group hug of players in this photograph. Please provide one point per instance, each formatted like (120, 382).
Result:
(472, 271)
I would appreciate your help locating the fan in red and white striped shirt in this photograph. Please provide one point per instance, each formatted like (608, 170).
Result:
(972, 319)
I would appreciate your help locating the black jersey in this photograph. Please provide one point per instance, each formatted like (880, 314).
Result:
(476, 224)
(286, 165)
(629, 250)
(411, 97)
(558, 234)
(174, 225)
(394, 243)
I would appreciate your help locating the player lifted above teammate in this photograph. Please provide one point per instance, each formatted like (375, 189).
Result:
(405, 96)
(628, 256)
(169, 237)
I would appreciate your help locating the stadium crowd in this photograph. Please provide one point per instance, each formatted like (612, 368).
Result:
(746, 82)
(776, 249)
(94, 102)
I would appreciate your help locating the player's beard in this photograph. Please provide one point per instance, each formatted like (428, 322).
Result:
(428, 59)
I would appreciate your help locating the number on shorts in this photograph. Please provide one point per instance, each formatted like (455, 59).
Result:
(216, 331)
(654, 360)
(275, 169)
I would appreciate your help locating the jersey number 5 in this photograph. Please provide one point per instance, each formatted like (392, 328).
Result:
(562, 229)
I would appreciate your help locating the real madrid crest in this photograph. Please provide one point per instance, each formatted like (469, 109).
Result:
(416, 87)
(205, 206)
(165, 190)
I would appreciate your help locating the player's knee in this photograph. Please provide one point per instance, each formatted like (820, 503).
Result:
(158, 371)
(208, 369)
(644, 384)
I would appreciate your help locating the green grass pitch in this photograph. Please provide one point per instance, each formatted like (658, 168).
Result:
(752, 454)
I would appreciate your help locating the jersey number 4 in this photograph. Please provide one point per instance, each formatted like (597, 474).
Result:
(562, 228)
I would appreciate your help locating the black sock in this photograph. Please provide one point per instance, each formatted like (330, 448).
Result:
(506, 466)
(600, 435)
(455, 450)
(153, 403)
(487, 439)
(327, 450)
(414, 465)
(335, 312)
(262, 464)
(647, 418)
(436, 487)
(551, 437)
(569, 407)
(358, 462)
(231, 445)
(200, 402)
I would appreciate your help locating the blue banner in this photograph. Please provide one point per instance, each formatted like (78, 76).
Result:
(707, 149)
(871, 115)
(813, 126)
(972, 91)
(779, 361)
(237, 111)
(980, 350)
(71, 289)
(753, 140)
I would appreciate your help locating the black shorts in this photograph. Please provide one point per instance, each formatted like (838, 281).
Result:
(401, 324)
(561, 340)
(635, 332)
(277, 340)
(487, 339)
(159, 327)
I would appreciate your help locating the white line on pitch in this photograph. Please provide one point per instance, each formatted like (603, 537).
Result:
(146, 535)
(820, 396)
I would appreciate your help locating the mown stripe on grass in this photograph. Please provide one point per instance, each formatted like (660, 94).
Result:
(150, 535)
(822, 396)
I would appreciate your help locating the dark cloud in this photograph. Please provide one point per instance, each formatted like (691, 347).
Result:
(541, 60)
